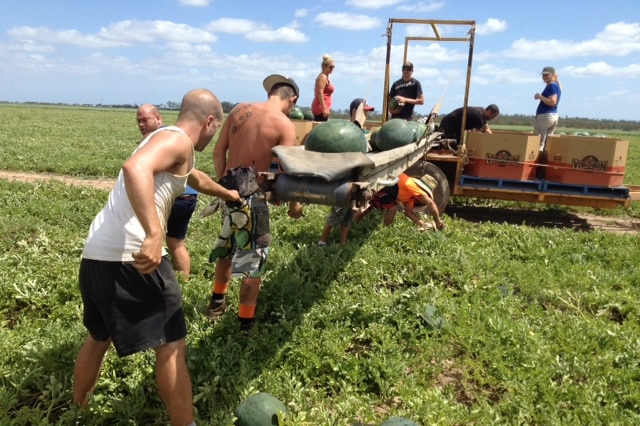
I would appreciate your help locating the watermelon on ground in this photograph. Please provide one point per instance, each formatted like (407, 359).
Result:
(336, 136)
(296, 113)
(260, 409)
(395, 133)
(308, 115)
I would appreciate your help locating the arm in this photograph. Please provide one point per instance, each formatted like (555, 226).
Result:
(431, 208)
(203, 183)
(221, 147)
(551, 100)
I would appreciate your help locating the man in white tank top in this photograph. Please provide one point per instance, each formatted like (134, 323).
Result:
(130, 293)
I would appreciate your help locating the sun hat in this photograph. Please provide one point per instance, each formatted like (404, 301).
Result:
(274, 79)
(427, 183)
(356, 103)
(548, 70)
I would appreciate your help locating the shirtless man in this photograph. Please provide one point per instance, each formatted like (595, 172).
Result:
(130, 294)
(244, 149)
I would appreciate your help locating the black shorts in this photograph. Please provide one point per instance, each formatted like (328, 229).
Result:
(180, 216)
(136, 311)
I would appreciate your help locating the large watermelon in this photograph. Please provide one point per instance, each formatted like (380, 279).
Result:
(296, 113)
(394, 133)
(336, 136)
(308, 115)
(419, 130)
(398, 421)
(260, 409)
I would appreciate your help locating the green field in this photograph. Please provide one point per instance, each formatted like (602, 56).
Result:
(484, 323)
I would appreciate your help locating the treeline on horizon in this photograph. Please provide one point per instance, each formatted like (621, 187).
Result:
(501, 120)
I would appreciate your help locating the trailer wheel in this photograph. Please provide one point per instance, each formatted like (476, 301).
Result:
(442, 192)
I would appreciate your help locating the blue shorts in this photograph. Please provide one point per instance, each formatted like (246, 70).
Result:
(138, 312)
(181, 213)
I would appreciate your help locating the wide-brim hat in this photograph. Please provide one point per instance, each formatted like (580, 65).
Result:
(274, 79)
(427, 183)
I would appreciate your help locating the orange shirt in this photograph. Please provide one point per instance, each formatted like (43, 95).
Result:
(408, 190)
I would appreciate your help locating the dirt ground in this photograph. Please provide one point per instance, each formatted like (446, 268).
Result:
(559, 219)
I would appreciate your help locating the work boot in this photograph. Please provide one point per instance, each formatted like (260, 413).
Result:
(216, 308)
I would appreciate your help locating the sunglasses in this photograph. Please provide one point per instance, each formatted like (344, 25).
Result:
(332, 66)
(407, 69)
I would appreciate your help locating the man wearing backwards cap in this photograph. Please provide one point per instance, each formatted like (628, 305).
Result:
(243, 150)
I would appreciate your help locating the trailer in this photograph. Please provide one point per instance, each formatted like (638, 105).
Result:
(351, 179)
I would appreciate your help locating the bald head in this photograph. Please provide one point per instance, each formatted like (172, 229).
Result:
(200, 116)
(148, 118)
(197, 104)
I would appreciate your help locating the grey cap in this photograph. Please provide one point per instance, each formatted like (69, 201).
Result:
(274, 79)
(548, 70)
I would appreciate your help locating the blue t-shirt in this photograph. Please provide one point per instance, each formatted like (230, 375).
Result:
(550, 90)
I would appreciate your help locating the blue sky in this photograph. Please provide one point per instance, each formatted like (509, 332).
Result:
(123, 51)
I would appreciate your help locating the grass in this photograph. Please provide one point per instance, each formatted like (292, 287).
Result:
(539, 325)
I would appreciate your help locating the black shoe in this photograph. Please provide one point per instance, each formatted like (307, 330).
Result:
(216, 309)
(246, 325)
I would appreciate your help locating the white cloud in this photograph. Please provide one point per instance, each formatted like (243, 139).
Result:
(257, 31)
(236, 26)
(149, 31)
(196, 3)
(119, 34)
(372, 4)
(301, 13)
(284, 34)
(618, 39)
(492, 26)
(421, 6)
(602, 69)
(347, 21)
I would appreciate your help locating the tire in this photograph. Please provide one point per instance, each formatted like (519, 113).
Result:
(442, 192)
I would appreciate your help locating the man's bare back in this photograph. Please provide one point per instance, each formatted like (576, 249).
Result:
(249, 133)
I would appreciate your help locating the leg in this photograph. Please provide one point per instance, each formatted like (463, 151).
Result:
(174, 382)
(324, 236)
(217, 303)
(344, 232)
(390, 215)
(179, 256)
(87, 368)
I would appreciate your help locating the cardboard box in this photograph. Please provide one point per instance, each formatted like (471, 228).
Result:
(303, 127)
(502, 155)
(582, 160)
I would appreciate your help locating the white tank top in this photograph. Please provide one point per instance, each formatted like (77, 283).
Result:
(116, 233)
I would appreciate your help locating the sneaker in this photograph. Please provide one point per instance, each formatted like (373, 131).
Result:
(321, 244)
(246, 325)
(216, 309)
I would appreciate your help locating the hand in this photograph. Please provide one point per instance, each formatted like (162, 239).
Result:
(149, 256)
(295, 210)
(537, 96)
(234, 196)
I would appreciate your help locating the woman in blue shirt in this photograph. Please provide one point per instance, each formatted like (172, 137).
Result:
(547, 112)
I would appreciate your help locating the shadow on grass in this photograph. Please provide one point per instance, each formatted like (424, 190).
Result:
(223, 361)
(534, 218)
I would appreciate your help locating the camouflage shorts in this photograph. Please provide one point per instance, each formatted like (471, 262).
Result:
(244, 237)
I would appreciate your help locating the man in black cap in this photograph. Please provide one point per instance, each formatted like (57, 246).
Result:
(405, 94)
(477, 119)
(243, 150)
